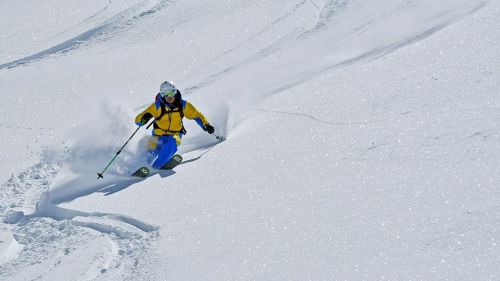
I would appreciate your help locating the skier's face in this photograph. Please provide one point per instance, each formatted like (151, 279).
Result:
(170, 99)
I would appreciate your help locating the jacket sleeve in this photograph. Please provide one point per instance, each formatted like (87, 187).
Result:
(190, 112)
(152, 110)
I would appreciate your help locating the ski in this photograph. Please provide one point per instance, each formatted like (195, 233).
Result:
(142, 172)
(176, 160)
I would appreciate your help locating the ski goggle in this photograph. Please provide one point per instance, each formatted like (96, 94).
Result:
(167, 94)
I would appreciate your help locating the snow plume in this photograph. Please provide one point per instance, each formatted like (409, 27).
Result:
(218, 114)
(93, 143)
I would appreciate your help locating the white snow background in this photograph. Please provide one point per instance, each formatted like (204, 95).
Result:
(362, 140)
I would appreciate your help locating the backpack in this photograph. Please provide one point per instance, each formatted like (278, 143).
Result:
(180, 104)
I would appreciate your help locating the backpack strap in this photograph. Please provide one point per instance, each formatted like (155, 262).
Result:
(183, 106)
(163, 111)
(181, 111)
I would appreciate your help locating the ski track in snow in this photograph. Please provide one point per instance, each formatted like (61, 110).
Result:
(314, 118)
(101, 32)
(372, 54)
(248, 40)
(8, 126)
(51, 235)
(299, 34)
(277, 45)
(327, 14)
(89, 18)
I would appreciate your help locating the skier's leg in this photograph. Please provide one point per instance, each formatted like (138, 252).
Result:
(153, 149)
(167, 150)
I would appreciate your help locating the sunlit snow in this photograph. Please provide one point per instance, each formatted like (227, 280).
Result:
(361, 140)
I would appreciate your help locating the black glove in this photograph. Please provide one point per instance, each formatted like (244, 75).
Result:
(145, 118)
(209, 128)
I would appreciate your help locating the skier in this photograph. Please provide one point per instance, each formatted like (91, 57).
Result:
(168, 110)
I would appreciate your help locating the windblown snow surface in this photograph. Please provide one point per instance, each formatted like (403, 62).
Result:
(362, 140)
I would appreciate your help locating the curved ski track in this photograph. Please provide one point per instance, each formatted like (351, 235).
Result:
(102, 32)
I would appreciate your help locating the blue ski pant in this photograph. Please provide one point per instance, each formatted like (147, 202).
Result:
(166, 147)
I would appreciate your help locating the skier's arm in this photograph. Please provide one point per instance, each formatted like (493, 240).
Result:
(190, 112)
(144, 116)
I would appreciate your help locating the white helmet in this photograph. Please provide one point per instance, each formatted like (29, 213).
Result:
(167, 89)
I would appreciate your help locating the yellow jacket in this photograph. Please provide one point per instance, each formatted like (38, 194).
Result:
(171, 121)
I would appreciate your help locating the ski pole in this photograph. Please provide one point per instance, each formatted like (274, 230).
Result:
(99, 175)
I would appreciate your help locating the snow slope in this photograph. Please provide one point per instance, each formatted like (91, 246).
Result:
(361, 141)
